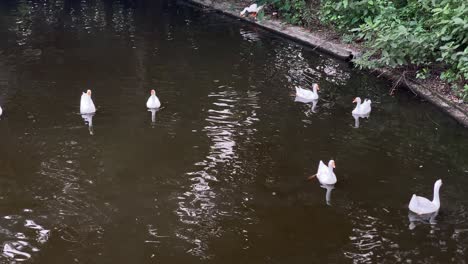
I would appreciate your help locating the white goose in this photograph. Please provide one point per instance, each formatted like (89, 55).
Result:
(1, 111)
(362, 109)
(308, 94)
(252, 9)
(421, 205)
(325, 175)
(153, 101)
(87, 105)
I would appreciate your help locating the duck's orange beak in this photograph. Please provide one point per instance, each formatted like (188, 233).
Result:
(354, 100)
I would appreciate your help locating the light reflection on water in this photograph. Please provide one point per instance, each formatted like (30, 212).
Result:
(29, 236)
(218, 175)
(198, 206)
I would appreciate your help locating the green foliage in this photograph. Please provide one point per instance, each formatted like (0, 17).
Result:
(407, 33)
(464, 92)
(348, 13)
(293, 11)
(422, 74)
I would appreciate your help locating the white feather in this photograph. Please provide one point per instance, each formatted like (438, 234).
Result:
(153, 102)
(87, 105)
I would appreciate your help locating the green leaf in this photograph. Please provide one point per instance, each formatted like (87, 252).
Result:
(458, 21)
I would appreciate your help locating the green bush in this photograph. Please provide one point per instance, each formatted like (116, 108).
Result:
(293, 11)
(421, 33)
(347, 14)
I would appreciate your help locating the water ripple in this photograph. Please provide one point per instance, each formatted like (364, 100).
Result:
(22, 237)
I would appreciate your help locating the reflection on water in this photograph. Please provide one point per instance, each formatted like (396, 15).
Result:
(88, 119)
(329, 189)
(198, 206)
(425, 219)
(153, 116)
(197, 184)
(368, 238)
(28, 236)
(312, 103)
(357, 117)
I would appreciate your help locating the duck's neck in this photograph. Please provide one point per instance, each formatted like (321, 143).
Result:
(330, 168)
(314, 89)
(358, 105)
(436, 199)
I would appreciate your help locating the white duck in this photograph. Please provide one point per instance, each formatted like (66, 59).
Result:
(421, 205)
(1, 111)
(252, 9)
(325, 175)
(153, 101)
(362, 109)
(308, 94)
(87, 105)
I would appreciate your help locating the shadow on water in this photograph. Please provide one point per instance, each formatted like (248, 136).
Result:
(218, 176)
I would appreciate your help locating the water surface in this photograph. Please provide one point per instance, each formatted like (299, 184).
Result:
(220, 176)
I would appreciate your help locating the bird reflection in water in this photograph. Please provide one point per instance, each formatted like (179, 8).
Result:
(88, 118)
(153, 115)
(356, 119)
(329, 188)
(312, 103)
(424, 218)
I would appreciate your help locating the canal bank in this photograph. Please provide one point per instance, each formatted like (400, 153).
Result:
(427, 90)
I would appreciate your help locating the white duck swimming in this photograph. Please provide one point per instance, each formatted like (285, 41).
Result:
(87, 105)
(362, 109)
(421, 205)
(153, 101)
(1, 111)
(325, 175)
(252, 9)
(308, 94)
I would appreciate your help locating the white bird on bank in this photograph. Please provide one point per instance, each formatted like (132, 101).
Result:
(362, 109)
(421, 205)
(325, 175)
(153, 101)
(252, 9)
(308, 94)
(87, 105)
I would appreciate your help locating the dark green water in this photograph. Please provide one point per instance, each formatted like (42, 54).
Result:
(220, 176)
